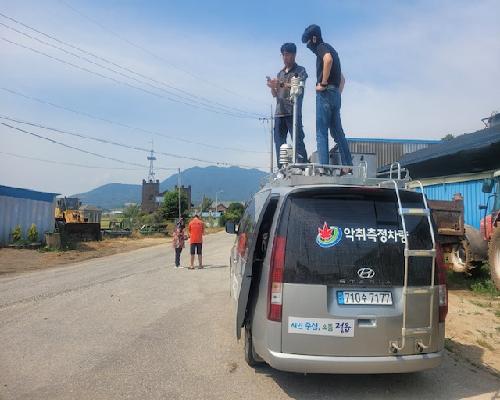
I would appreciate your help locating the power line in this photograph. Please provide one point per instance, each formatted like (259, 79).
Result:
(163, 59)
(119, 81)
(72, 147)
(76, 164)
(141, 149)
(194, 98)
(123, 125)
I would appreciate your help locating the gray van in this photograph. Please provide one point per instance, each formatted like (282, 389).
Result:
(338, 274)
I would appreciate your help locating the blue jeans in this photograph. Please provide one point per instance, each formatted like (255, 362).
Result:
(283, 125)
(328, 104)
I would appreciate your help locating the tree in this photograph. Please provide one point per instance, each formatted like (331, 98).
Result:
(133, 215)
(237, 208)
(206, 203)
(17, 234)
(169, 209)
(449, 136)
(233, 213)
(32, 233)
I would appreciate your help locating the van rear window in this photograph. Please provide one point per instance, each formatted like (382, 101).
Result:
(330, 237)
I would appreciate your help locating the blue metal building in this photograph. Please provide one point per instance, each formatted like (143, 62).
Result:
(469, 186)
(25, 207)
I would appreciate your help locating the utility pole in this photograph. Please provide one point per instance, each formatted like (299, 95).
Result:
(179, 190)
(216, 193)
(271, 124)
(272, 140)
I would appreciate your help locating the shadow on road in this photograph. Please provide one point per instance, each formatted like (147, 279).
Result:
(447, 383)
(213, 266)
(471, 353)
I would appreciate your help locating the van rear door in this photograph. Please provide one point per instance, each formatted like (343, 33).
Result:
(344, 270)
(241, 273)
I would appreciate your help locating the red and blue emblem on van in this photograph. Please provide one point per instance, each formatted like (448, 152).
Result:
(328, 236)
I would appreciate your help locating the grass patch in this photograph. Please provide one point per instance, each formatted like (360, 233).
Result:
(486, 287)
(480, 282)
(497, 313)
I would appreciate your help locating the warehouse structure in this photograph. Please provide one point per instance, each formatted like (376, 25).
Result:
(387, 151)
(24, 207)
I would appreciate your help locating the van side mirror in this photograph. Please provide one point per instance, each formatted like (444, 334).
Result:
(488, 185)
(231, 227)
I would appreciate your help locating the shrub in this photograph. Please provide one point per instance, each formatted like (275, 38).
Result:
(17, 234)
(33, 233)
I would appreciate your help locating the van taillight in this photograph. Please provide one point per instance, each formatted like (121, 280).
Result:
(275, 295)
(442, 288)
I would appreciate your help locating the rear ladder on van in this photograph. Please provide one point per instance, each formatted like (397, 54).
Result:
(395, 346)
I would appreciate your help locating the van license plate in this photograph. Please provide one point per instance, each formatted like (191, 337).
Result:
(364, 298)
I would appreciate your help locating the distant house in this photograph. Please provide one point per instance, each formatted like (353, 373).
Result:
(91, 213)
(24, 207)
(222, 207)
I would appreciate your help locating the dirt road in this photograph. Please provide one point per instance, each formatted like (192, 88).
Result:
(15, 261)
(131, 326)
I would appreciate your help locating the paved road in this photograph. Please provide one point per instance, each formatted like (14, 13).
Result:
(129, 326)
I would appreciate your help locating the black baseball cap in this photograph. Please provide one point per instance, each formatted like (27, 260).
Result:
(289, 48)
(310, 31)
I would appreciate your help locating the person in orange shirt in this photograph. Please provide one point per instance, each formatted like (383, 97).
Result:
(196, 230)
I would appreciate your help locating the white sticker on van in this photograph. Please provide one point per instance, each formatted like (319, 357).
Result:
(329, 236)
(321, 326)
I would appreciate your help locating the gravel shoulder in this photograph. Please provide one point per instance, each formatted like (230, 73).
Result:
(16, 261)
(473, 329)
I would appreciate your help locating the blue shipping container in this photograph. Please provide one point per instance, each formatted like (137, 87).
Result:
(470, 190)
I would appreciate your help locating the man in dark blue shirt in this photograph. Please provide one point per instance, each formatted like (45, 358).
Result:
(329, 86)
(280, 88)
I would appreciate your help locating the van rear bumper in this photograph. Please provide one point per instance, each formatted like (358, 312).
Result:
(353, 365)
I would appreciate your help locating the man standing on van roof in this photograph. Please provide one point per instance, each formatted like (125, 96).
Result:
(329, 86)
(196, 230)
(280, 88)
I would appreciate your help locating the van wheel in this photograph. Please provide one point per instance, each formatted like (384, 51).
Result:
(250, 356)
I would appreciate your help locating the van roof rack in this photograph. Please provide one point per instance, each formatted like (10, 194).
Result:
(300, 174)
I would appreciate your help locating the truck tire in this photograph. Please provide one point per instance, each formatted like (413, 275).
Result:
(494, 257)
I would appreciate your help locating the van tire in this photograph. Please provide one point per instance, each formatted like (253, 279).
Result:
(494, 257)
(250, 356)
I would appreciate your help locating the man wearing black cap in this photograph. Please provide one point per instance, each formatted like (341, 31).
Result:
(280, 88)
(329, 85)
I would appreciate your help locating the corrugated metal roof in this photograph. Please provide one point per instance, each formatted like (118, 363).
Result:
(26, 194)
(471, 152)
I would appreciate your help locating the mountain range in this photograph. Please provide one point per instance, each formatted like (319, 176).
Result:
(236, 184)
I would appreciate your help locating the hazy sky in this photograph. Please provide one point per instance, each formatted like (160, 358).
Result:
(414, 69)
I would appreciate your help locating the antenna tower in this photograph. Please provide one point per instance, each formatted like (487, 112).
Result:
(151, 158)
